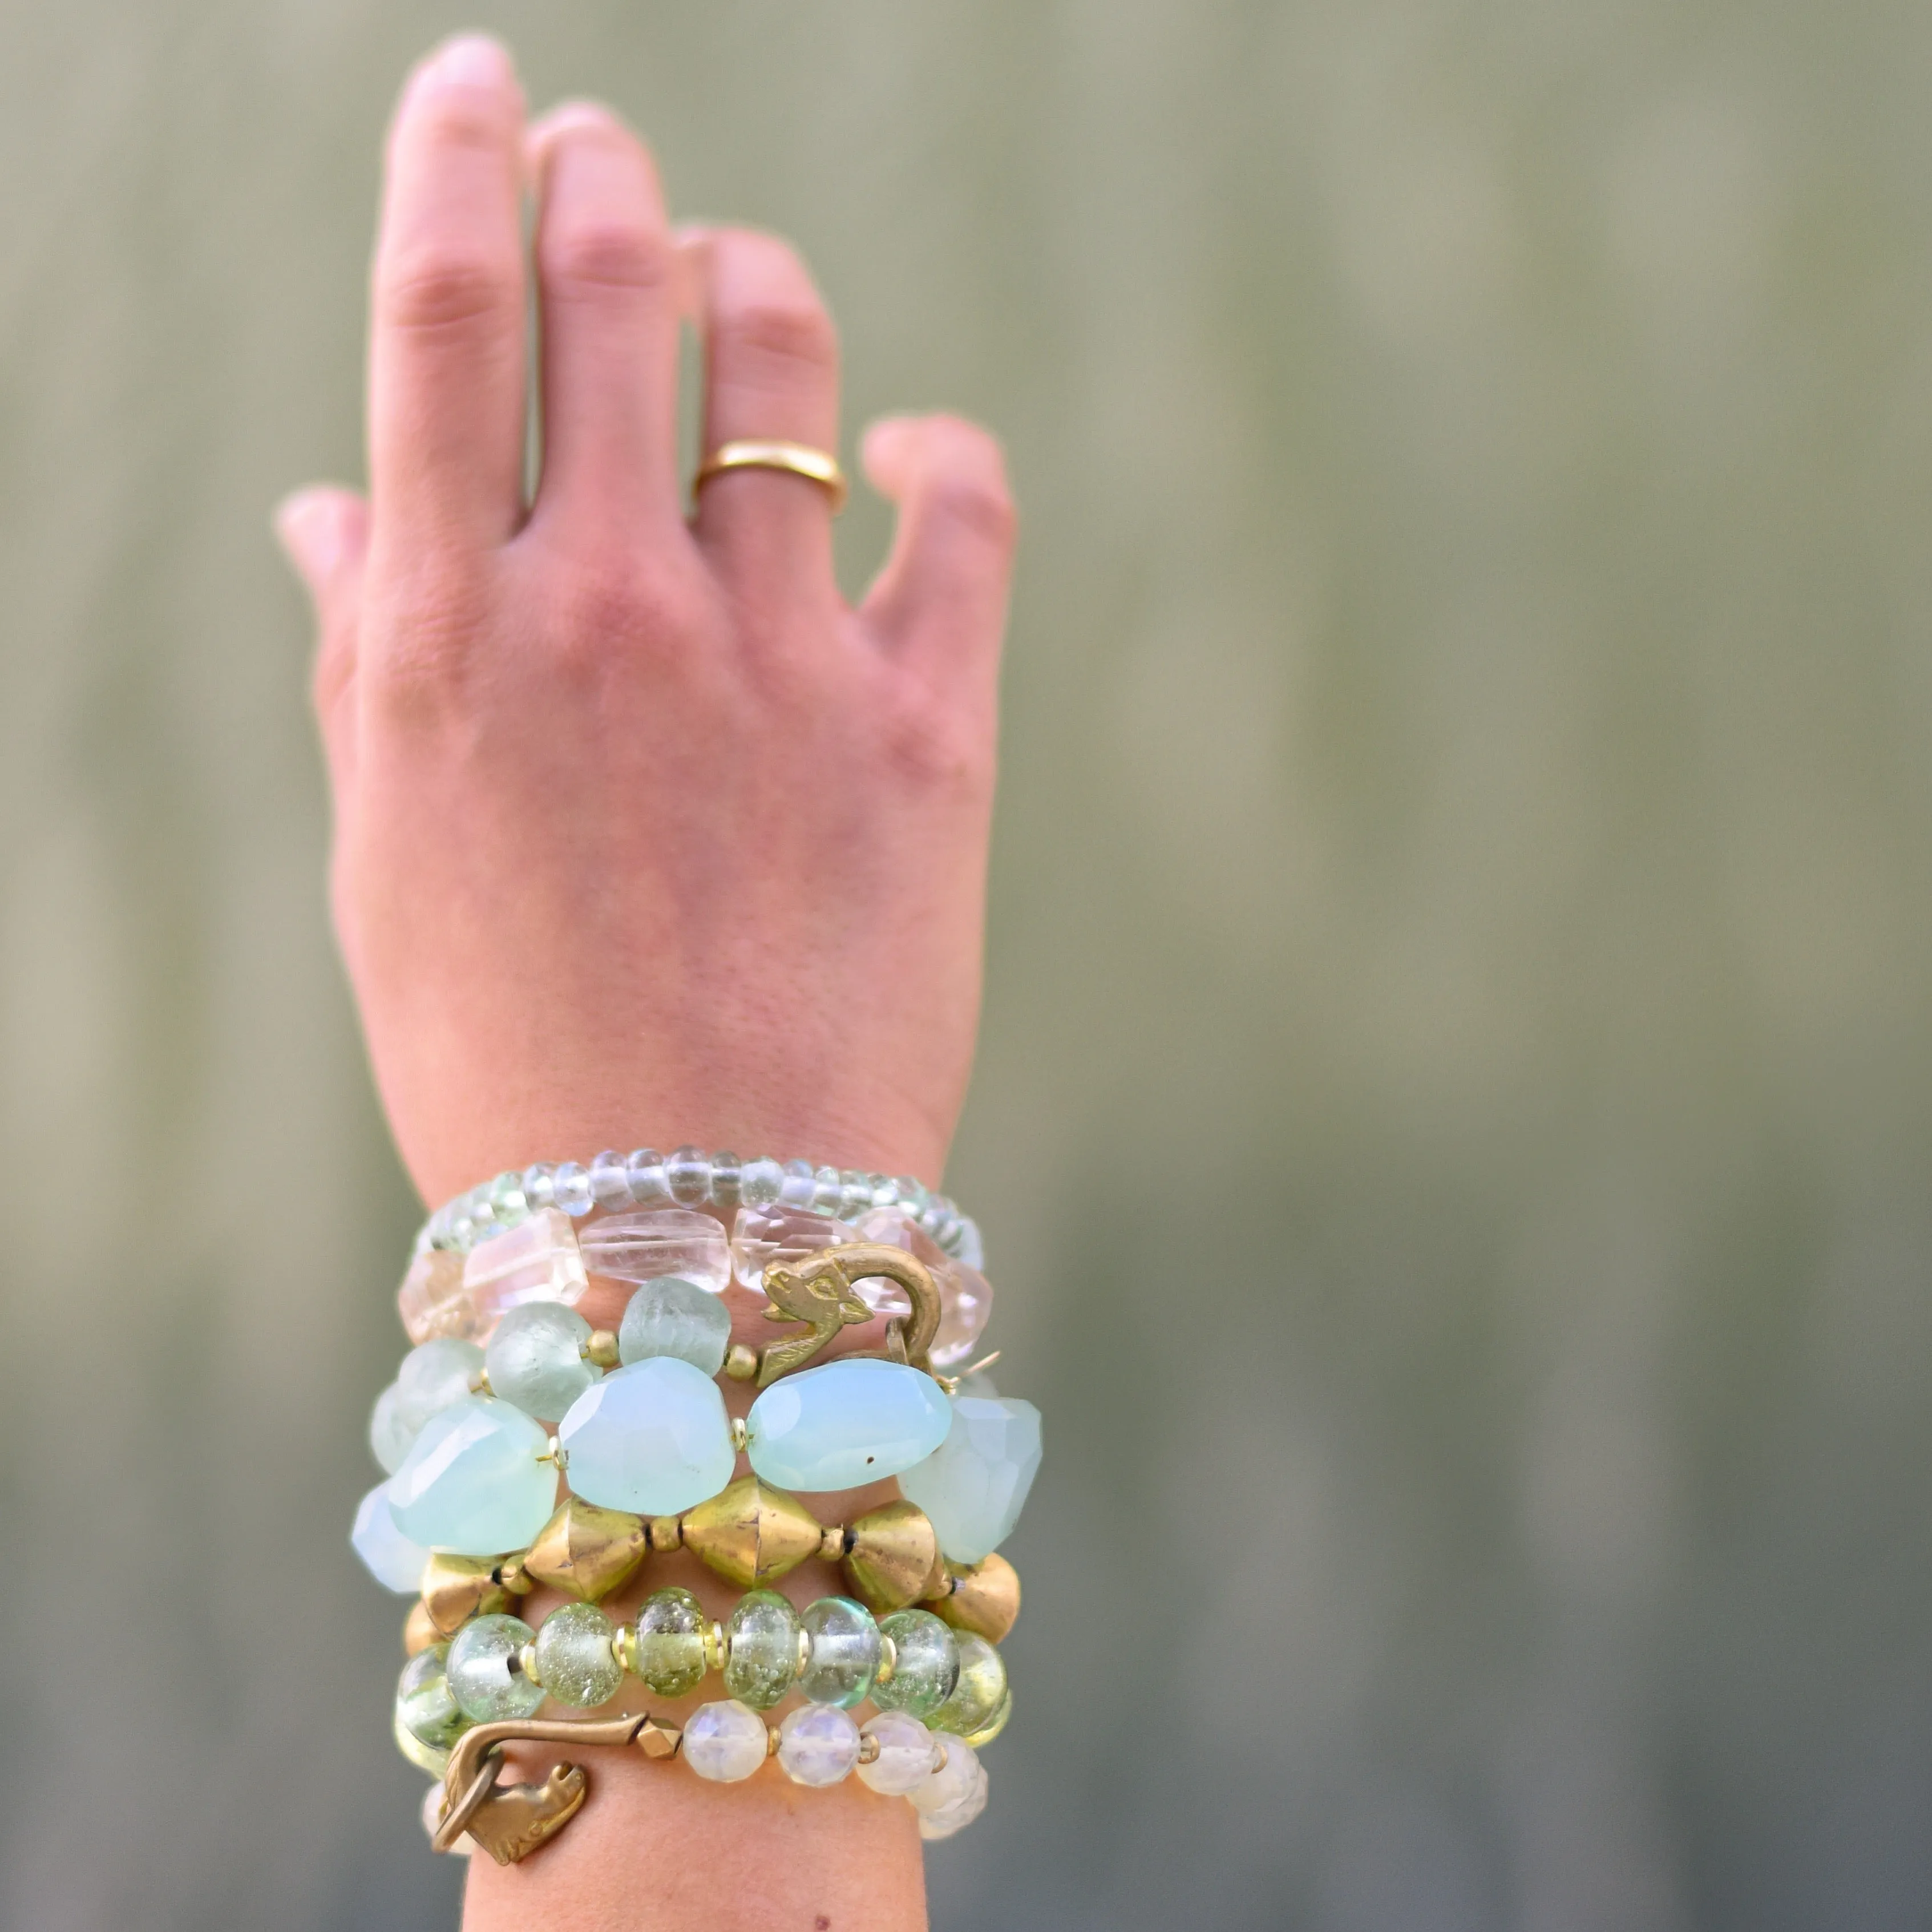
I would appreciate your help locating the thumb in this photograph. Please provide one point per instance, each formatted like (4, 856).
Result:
(325, 532)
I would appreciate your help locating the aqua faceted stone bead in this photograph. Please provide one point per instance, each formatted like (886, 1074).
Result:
(486, 1671)
(974, 1486)
(535, 1358)
(846, 1424)
(672, 1316)
(472, 1484)
(652, 1437)
(844, 1652)
(387, 1554)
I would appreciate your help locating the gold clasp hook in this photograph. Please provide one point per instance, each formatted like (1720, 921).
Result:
(818, 1291)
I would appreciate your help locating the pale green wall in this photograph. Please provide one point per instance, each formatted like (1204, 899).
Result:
(1457, 1103)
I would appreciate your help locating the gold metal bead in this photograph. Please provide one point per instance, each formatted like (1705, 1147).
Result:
(868, 1749)
(418, 1631)
(586, 1551)
(659, 1741)
(623, 1648)
(772, 1741)
(527, 1662)
(741, 1434)
(455, 1588)
(514, 1575)
(601, 1349)
(750, 1534)
(717, 1647)
(479, 1383)
(832, 1543)
(983, 1597)
(666, 1533)
(890, 1556)
(804, 1652)
(554, 1452)
(741, 1363)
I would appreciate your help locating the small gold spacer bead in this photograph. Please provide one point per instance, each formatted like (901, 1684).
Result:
(623, 1648)
(513, 1577)
(601, 1349)
(868, 1749)
(771, 1741)
(556, 1452)
(479, 1383)
(832, 1543)
(667, 1533)
(741, 1363)
(527, 1662)
(717, 1647)
(888, 1661)
(804, 1653)
(741, 1435)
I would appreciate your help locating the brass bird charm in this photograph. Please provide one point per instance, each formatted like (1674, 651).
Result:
(819, 1291)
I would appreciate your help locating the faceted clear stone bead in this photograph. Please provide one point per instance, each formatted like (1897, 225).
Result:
(535, 1358)
(434, 1375)
(974, 1486)
(759, 1182)
(575, 1657)
(907, 1750)
(942, 1821)
(472, 1484)
(389, 1435)
(956, 1778)
(761, 1236)
(610, 1181)
(387, 1554)
(425, 1706)
(536, 1261)
(688, 1171)
(654, 1242)
(981, 1689)
(971, 1246)
(926, 1666)
(486, 1672)
(762, 1657)
(646, 1171)
(844, 1652)
(652, 1438)
(570, 1188)
(847, 1423)
(668, 1646)
(818, 1744)
(672, 1316)
(431, 1300)
(965, 1295)
(724, 1742)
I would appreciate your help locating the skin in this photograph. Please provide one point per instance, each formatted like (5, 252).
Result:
(643, 835)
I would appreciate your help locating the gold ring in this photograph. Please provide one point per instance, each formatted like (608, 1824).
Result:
(815, 466)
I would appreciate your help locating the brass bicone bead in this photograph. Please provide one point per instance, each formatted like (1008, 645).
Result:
(741, 1363)
(601, 1349)
(659, 1741)
(586, 1551)
(983, 1597)
(419, 1630)
(514, 1575)
(752, 1534)
(666, 1533)
(455, 1588)
(890, 1554)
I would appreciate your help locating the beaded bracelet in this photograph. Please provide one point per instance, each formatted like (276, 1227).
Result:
(690, 1178)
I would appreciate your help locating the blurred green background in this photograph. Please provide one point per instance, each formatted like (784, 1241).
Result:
(1457, 1094)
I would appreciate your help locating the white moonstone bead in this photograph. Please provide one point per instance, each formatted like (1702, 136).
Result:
(432, 1816)
(818, 1744)
(725, 1742)
(906, 1753)
(955, 1816)
(954, 1779)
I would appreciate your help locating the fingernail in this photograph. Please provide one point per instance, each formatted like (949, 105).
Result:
(469, 60)
(309, 528)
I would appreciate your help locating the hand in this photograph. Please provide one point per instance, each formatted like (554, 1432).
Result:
(642, 834)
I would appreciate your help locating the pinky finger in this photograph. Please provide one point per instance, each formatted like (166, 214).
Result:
(325, 534)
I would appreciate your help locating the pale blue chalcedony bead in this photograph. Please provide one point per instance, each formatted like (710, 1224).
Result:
(435, 1374)
(485, 1670)
(387, 1554)
(389, 1436)
(672, 1316)
(974, 1485)
(472, 1484)
(652, 1438)
(846, 1424)
(535, 1358)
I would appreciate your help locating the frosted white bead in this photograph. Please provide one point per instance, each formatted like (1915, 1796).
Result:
(954, 1817)
(672, 1316)
(389, 1435)
(905, 1756)
(818, 1744)
(952, 1781)
(535, 1358)
(725, 1742)
(436, 1374)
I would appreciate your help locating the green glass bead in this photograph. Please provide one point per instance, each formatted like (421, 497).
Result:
(425, 1757)
(980, 1691)
(667, 1648)
(425, 1707)
(763, 1658)
(926, 1668)
(486, 1671)
(574, 1658)
(844, 1654)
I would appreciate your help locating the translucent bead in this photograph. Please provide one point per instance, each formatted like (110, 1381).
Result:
(844, 1652)
(570, 1189)
(539, 1187)
(761, 1236)
(610, 1181)
(508, 1200)
(847, 1423)
(575, 1657)
(818, 1744)
(762, 1658)
(799, 1185)
(759, 1182)
(689, 1174)
(425, 1757)
(909, 1194)
(431, 1300)
(387, 1554)
(537, 1261)
(724, 1742)
(425, 1706)
(434, 1375)
(725, 1170)
(652, 1438)
(668, 1646)
(957, 1775)
(974, 1486)
(432, 1820)
(926, 1666)
(971, 1247)
(472, 1484)
(965, 1296)
(389, 1436)
(908, 1751)
(942, 1821)
(649, 1187)
(828, 1191)
(980, 1691)
(486, 1671)
(535, 1358)
(672, 1316)
(659, 1241)
(856, 1194)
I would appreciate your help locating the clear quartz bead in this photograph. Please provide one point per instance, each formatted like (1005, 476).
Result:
(980, 1690)
(908, 1751)
(828, 1191)
(965, 1295)
(647, 1245)
(645, 1171)
(971, 1246)
(760, 1236)
(575, 1658)
(800, 1184)
(390, 1434)
(537, 1261)
(610, 1181)
(486, 1670)
(727, 1171)
(909, 1194)
(539, 1187)
(818, 1744)
(508, 1199)
(761, 1660)
(688, 1173)
(672, 1316)
(536, 1359)
(435, 1375)
(855, 1194)
(425, 1706)
(843, 1653)
(925, 1667)
(724, 1742)
(570, 1189)
(431, 1300)
(668, 1646)
(761, 1182)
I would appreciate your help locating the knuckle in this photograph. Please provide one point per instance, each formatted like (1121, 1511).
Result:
(435, 291)
(428, 627)
(790, 339)
(609, 254)
(941, 746)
